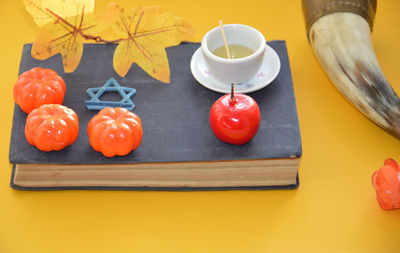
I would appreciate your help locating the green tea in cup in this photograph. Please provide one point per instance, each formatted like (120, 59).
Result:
(233, 70)
(236, 51)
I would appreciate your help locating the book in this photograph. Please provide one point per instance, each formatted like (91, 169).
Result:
(179, 150)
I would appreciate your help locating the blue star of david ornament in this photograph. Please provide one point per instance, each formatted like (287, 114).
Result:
(111, 85)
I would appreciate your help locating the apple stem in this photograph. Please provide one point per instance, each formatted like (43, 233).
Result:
(232, 91)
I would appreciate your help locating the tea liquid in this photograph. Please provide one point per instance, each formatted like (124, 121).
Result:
(236, 51)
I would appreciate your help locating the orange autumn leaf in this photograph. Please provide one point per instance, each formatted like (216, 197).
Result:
(146, 32)
(63, 28)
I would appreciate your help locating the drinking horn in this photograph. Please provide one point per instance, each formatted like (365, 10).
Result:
(339, 34)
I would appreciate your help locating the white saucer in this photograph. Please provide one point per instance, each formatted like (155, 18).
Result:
(269, 70)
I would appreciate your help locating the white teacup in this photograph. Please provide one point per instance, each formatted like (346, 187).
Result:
(234, 70)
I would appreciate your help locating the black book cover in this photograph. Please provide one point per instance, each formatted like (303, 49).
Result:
(175, 116)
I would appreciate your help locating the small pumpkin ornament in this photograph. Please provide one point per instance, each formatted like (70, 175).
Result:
(115, 131)
(37, 87)
(386, 181)
(51, 127)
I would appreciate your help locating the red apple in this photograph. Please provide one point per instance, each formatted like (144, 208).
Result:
(236, 120)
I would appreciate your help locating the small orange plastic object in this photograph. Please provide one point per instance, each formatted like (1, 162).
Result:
(37, 87)
(51, 127)
(115, 131)
(387, 184)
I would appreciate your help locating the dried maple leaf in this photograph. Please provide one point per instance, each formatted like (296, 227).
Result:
(146, 32)
(64, 25)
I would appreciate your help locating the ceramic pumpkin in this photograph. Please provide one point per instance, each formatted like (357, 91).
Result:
(387, 184)
(51, 127)
(115, 131)
(37, 87)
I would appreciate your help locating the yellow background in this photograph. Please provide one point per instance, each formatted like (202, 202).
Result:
(333, 210)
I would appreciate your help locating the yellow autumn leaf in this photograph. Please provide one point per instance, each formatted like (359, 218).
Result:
(64, 27)
(52, 40)
(41, 10)
(146, 32)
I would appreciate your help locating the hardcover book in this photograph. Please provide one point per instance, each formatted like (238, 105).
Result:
(179, 150)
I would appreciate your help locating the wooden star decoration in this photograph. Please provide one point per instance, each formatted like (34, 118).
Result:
(111, 85)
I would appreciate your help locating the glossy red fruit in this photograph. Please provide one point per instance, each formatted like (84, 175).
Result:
(37, 87)
(235, 121)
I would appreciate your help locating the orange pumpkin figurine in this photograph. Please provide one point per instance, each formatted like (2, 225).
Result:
(387, 184)
(37, 87)
(52, 127)
(115, 131)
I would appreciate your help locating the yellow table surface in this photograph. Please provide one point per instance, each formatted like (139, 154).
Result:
(333, 210)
